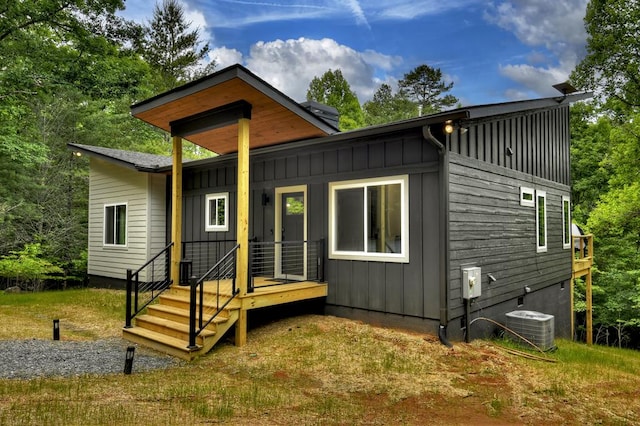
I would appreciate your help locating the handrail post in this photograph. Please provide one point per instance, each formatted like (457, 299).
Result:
(127, 323)
(167, 270)
(321, 260)
(192, 314)
(249, 270)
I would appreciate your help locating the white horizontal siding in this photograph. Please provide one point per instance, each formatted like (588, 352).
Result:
(109, 184)
(157, 214)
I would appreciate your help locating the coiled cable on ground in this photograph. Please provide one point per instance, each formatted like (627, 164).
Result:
(515, 351)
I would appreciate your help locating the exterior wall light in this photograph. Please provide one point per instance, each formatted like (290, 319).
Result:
(448, 127)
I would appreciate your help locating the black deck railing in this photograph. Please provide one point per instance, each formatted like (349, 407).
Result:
(202, 254)
(283, 262)
(205, 306)
(147, 283)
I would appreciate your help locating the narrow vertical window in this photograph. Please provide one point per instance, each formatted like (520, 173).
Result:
(115, 225)
(541, 221)
(566, 222)
(216, 212)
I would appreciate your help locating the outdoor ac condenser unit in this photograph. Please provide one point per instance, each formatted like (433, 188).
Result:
(533, 326)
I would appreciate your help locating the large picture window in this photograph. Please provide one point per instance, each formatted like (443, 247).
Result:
(115, 225)
(217, 212)
(369, 219)
(566, 222)
(541, 221)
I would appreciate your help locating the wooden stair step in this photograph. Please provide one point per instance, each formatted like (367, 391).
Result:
(161, 342)
(183, 314)
(170, 328)
(179, 300)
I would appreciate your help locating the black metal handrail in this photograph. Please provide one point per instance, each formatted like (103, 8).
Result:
(201, 254)
(147, 283)
(282, 262)
(203, 310)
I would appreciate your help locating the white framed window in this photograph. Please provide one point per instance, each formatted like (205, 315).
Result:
(115, 225)
(369, 219)
(526, 197)
(216, 215)
(566, 222)
(541, 221)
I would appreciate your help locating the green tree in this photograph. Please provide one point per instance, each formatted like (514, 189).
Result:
(424, 86)
(611, 66)
(67, 76)
(333, 89)
(610, 195)
(170, 48)
(590, 170)
(386, 107)
(69, 17)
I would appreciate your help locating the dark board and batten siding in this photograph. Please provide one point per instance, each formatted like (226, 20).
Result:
(409, 289)
(536, 143)
(489, 228)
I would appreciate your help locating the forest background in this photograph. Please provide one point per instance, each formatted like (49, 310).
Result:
(72, 68)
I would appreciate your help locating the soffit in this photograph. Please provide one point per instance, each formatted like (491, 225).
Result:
(275, 118)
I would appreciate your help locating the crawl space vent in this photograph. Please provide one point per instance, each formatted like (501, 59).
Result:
(534, 326)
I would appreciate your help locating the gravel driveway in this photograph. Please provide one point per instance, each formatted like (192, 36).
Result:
(26, 359)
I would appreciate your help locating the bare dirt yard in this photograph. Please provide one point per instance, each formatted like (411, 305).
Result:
(322, 370)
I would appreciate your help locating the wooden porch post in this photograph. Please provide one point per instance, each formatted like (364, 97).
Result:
(176, 210)
(242, 234)
(589, 309)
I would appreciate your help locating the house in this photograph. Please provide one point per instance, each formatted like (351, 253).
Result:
(426, 223)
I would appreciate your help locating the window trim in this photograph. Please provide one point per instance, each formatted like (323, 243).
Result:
(566, 225)
(126, 225)
(529, 191)
(541, 248)
(403, 256)
(207, 210)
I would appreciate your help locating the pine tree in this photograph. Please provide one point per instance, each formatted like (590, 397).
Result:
(170, 48)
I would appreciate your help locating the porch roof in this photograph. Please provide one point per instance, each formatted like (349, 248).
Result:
(275, 118)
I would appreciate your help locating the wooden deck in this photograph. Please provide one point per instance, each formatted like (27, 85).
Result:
(164, 327)
(582, 255)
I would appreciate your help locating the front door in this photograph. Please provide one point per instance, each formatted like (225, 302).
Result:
(291, 232)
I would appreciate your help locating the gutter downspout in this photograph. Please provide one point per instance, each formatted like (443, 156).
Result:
(444, 231)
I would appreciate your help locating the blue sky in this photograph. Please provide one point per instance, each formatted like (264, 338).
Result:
(493, 51)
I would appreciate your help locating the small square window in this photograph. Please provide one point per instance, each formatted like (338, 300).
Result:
(526, 197)
(216, 212)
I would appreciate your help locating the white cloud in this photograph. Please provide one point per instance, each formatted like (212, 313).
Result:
(555, 25)
(225, 57)
(290, 65)
(537, 79)
(239, 13)
(357, 12)
(410, 9)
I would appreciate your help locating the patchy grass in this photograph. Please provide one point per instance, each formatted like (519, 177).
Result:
(84, 314)
(316, 370)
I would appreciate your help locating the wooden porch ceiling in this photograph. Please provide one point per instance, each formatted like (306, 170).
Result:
(275, 118)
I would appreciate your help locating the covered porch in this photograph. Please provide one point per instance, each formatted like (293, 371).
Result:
(228, 112)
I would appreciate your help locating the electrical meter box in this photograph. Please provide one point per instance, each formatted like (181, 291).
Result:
(471, 282)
